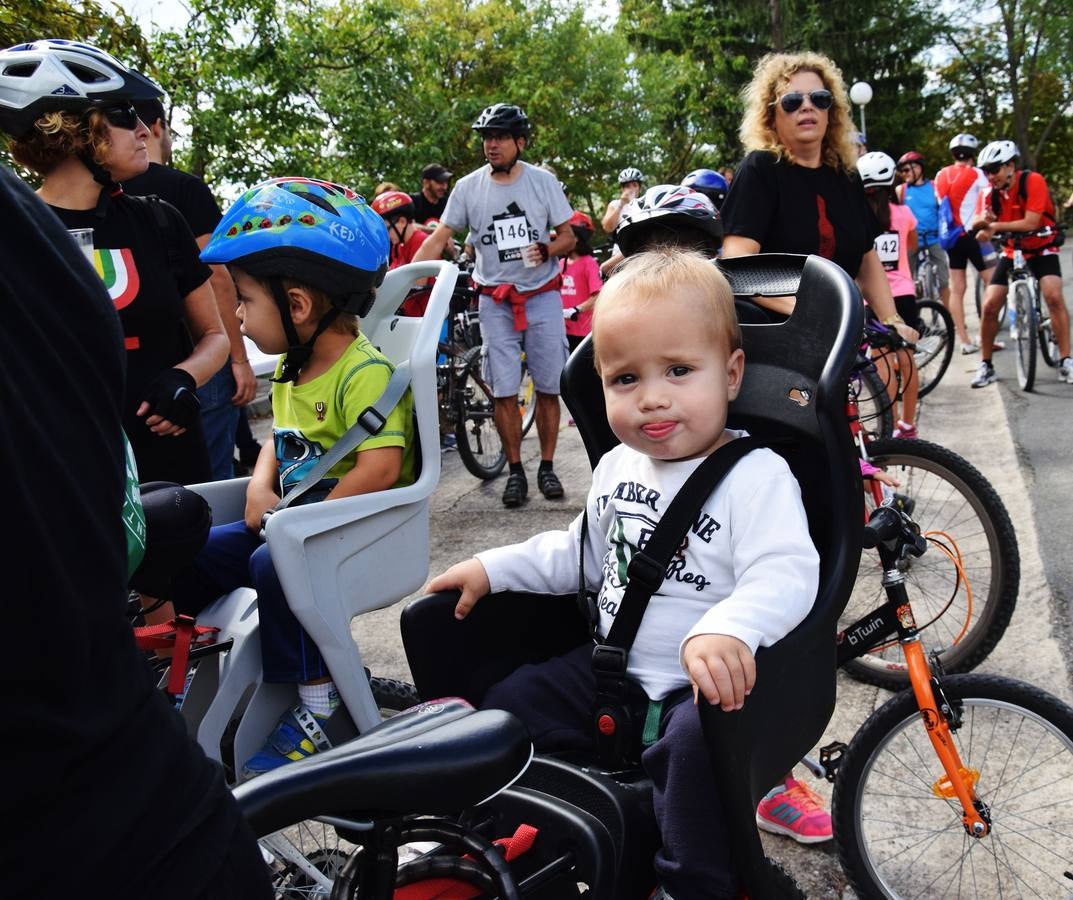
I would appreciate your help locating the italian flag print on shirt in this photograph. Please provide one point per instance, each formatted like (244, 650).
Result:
(119, 274)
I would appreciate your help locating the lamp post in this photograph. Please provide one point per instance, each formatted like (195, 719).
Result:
(861, 93)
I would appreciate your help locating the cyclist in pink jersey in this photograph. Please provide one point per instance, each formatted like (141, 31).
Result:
(961, 183)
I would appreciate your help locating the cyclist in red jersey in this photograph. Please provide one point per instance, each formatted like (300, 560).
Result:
(1001, 209)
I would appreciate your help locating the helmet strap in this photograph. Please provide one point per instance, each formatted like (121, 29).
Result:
(505, 170)
(298, 354)
(109, 187)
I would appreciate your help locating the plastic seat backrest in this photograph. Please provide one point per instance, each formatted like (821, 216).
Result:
(793, 394)
(339, 559)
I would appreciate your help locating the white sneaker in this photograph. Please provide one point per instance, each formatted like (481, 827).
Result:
(969, 348)
(1065, 370)
(984, 375)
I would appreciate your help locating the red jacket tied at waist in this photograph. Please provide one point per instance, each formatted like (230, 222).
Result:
(517, 298)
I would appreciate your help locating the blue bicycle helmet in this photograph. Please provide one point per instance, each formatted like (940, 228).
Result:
(710, 183)
(315, 232)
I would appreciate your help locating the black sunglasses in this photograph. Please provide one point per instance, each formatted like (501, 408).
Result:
(993, 169)
(904, 168)
(125, 117)
(792, 101)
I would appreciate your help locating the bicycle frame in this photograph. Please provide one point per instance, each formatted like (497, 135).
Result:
(896, 537)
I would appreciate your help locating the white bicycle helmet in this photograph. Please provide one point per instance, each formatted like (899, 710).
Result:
(997, 152)
(964, 141)
(877, 169)
(666, 207)
(630, 174)
(52, 75)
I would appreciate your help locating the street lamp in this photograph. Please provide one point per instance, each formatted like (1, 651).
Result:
(861, 93)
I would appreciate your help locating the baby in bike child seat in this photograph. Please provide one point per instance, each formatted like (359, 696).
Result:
(667, 350)
(306, 257)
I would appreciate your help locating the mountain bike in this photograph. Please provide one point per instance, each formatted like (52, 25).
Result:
(958, 787)
(935, 346)
(1032, 318)
(927, 277)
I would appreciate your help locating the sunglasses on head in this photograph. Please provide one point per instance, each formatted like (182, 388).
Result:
(123, 116)
(792, 101)
(993, 169)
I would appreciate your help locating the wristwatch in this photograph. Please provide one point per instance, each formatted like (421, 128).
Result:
(894, 320)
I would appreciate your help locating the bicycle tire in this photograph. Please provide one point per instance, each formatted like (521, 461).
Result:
(898, 838)
(1048, 343)
(952, 498)
(1027, 326)
(393, 696)
(874, 407)
(935, 347)
(476, 436)
(527, 400)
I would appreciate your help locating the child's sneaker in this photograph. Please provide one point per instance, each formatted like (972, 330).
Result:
(905, 430)
(795, 810)
(298, 734)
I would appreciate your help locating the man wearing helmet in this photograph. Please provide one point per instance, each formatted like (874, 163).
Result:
(961, 183)
(510, 208)
(1019, 201)
(917, 192)
(630, 182)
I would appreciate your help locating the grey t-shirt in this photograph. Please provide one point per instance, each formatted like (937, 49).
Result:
(506, 218)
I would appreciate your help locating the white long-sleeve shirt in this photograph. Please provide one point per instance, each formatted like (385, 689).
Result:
(747, 567)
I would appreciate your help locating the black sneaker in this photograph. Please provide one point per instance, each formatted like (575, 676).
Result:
(549, 484)
(517, 488)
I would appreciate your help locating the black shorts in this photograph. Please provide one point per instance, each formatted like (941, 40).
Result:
(966, 250)
(1039, 266)
(907, 308)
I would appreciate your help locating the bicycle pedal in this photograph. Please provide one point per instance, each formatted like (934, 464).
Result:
(831, 758)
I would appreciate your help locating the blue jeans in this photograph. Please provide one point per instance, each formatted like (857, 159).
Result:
(236, 557)
(219, 419)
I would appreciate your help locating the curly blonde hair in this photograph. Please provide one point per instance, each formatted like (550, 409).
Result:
(56, 136)
(772, 75)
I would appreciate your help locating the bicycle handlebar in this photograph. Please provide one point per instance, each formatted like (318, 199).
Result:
(879, 335)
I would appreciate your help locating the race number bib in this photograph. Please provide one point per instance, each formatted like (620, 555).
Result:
(888, 247)
(510, 232)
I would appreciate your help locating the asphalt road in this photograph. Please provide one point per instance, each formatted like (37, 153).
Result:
(1019, 442)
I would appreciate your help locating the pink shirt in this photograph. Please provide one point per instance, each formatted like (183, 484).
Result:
(581, 279)
(892, 247)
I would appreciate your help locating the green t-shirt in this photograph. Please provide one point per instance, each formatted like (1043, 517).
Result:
(133, 514)
(311, 417)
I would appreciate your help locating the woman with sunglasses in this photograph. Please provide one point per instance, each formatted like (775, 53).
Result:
(68, 109)
(797, 190)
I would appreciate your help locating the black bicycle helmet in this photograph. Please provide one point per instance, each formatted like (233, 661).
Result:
(667, 208)
(502, 117)
(55, 75)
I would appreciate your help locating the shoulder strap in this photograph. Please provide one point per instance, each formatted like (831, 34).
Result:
(1022, 185)
(371, 421)
(648, 568)
(167, 227)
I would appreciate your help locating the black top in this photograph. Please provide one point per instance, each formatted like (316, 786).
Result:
(132, 258)
(97, 764)
(423, 210)
(187, 193)
(793, 209)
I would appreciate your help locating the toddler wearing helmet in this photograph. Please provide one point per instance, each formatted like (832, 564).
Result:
(307, 257)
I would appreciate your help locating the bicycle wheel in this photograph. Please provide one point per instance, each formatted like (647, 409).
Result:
(305, 859)
(393, 696)
(475, 431)
(1048, 343)
(897, 837)
(874, 407)
(956, 508)
(935, 346)
(1027, 327)
(527, 400)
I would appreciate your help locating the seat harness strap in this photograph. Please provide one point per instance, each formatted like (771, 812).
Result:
(178, 635)
(615, 732)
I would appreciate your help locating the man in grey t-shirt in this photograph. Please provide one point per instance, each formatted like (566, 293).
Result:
(510, 209)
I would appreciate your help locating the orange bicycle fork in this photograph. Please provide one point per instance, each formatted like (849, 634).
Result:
(896, 536)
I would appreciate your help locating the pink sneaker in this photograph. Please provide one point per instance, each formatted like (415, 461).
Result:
(905, 430)
(795, 810)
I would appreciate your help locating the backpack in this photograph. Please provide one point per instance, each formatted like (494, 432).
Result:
(1022, 191)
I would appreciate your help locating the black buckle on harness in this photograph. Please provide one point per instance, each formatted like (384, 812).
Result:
(648, 573)
(371, 420)
(613, 721)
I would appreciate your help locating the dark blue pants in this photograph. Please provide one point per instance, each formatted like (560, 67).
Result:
(556, 699)
(236, 557)
(219, 420)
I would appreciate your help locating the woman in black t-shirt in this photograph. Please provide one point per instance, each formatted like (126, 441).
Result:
(797, 191)
(82, 146)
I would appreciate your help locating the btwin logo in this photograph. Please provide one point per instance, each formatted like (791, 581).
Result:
(862, 631)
